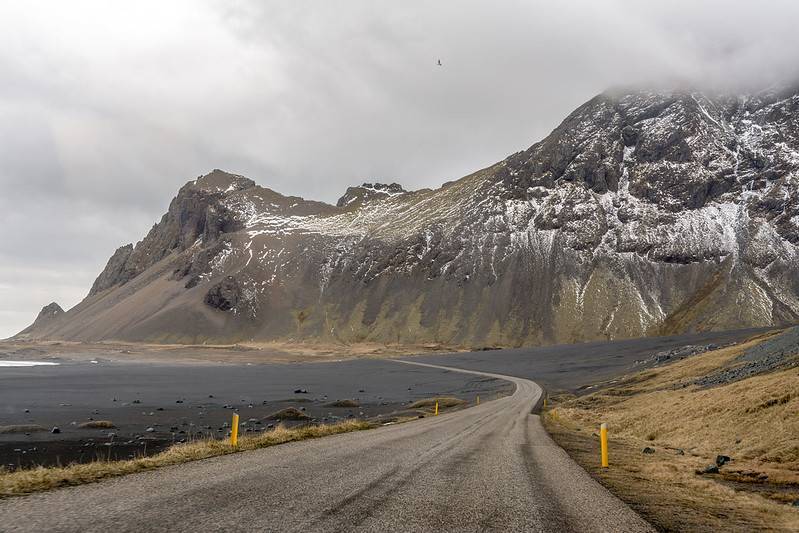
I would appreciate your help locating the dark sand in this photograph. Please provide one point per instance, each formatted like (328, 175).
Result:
(75, 392)
(78, 391)
(573, 367)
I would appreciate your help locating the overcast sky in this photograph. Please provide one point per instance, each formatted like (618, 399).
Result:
(107, 107)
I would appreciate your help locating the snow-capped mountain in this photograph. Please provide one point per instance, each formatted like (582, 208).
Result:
(642, 213)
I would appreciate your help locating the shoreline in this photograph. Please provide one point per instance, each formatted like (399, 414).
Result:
(244, 353)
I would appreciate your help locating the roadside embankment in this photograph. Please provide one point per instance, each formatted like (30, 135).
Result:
(707, 443)
(38, 479)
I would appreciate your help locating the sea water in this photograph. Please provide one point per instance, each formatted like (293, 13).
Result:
(26, 363)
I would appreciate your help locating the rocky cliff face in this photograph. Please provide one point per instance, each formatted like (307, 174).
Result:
(46, 316)
(642, 213)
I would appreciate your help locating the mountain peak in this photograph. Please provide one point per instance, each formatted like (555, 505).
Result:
(45, 317)
(219, 181)
(367, 192)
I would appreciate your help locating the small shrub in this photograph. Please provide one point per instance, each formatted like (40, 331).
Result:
(289, 413)
(97, 424)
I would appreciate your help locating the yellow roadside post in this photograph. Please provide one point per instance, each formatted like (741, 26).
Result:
(436, 413)
(603, 439)
(478, 400)
(545, 401)
(234, 431)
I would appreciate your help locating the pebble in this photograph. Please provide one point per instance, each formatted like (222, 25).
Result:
(150, 430)
(648, 450)
(55, 430)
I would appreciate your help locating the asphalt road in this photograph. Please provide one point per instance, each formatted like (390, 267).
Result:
(487, 468)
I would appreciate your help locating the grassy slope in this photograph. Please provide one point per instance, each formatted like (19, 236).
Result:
(755, 421)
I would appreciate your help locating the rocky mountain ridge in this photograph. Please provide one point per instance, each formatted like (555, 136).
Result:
(643, 213)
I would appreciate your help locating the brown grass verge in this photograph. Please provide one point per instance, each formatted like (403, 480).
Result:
(21, 428)
(97, 424)
(343, 403)
(39, 479)
(289, 413)
(754, 421)
(430, 403)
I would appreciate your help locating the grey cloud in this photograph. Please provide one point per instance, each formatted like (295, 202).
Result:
(106, 108)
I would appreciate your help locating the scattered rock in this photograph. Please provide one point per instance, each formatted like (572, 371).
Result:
(722, 460)
(301, 391)
(55, 430)
(648, 450)
(711, 469)
(136, 401)
(150, 430)
(680, 451)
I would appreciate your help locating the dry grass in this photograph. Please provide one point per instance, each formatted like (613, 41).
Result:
(289, 413)
(22, 428)
(344, 403)
(39, 479)
(754, 421)
(443, 403)
(97, 424)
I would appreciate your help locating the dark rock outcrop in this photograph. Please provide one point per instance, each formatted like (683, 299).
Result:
(357, 196)
(195, 215)
(224, 295)
(49, 314)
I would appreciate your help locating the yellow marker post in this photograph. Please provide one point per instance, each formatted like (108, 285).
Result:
(545, 401)
(234, 431)
(603, 439)
(436, 413)
(478, 400)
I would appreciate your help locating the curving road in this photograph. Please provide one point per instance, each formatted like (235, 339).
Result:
(487, 468)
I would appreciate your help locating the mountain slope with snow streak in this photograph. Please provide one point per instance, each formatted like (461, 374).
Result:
(643, 213)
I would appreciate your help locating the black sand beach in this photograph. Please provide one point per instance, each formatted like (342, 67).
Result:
(154, 405)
